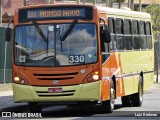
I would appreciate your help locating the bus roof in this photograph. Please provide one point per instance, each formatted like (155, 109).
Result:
(123, 12)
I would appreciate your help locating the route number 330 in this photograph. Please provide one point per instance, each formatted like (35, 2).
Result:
(76, 58)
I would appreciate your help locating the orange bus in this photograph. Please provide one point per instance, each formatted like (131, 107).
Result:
(81, 54)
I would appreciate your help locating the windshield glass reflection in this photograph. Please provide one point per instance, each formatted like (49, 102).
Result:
(79, 47)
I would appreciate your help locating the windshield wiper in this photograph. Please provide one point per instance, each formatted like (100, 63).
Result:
(40, 31)
(69, 29)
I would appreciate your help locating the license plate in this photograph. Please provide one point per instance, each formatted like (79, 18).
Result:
(54, 90)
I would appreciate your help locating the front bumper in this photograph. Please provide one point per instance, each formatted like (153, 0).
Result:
(81, 92)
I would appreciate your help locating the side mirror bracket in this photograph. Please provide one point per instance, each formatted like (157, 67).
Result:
(8, 32)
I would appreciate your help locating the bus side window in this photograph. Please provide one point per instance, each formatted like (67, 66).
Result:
(143, 38)
(111, 27)
(128, 35)
(120, 34)
(136, 41)
(148, 33)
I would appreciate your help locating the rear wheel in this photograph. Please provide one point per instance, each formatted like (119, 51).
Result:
(108, 105)
(137, 98)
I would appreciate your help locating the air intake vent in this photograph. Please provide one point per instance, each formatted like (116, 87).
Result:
(47, 94)
(59, 76)
(55, 95)
(56, 78)
(63, 74)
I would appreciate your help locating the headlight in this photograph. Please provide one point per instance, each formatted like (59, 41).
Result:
(19, 79)
(16, 79)
(95, 77)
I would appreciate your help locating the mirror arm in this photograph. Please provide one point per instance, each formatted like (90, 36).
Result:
(10, 23)
(102, 20)
(8, 32)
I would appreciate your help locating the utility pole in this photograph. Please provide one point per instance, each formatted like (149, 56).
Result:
(132, 4)
(140, 5)
(0, 13)
(25, 2)
(129, 3)
(94, 2)
(47, 1)
(78, 1)
(111, 3)
(157, 61)
(108, 3)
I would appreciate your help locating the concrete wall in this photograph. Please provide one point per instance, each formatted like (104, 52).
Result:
(5, 58)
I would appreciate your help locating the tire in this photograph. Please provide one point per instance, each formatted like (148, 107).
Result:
(82, 104)
(126, 101)
(137, 98)
(34, 107)
(108, 105)
(70, 106)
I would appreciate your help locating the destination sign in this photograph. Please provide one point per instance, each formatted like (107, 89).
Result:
(26, 15)
(38, 14)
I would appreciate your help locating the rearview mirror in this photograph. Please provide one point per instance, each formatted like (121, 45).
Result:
(106, 36)
(8, 34)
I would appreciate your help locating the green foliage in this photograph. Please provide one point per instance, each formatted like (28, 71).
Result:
(119, 2)
(154, 10)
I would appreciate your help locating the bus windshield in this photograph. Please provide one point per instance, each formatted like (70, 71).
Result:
(79, 47)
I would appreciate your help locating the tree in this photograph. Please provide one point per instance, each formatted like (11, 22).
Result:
(154, 9)
(120, 2)
(132, 5)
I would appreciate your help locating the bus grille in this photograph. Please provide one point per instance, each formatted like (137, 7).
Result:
(47, 94)
(60, 76)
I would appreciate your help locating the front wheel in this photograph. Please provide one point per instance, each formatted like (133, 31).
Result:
(108, 105)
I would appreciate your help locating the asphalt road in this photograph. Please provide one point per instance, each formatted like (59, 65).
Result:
(149, 110)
